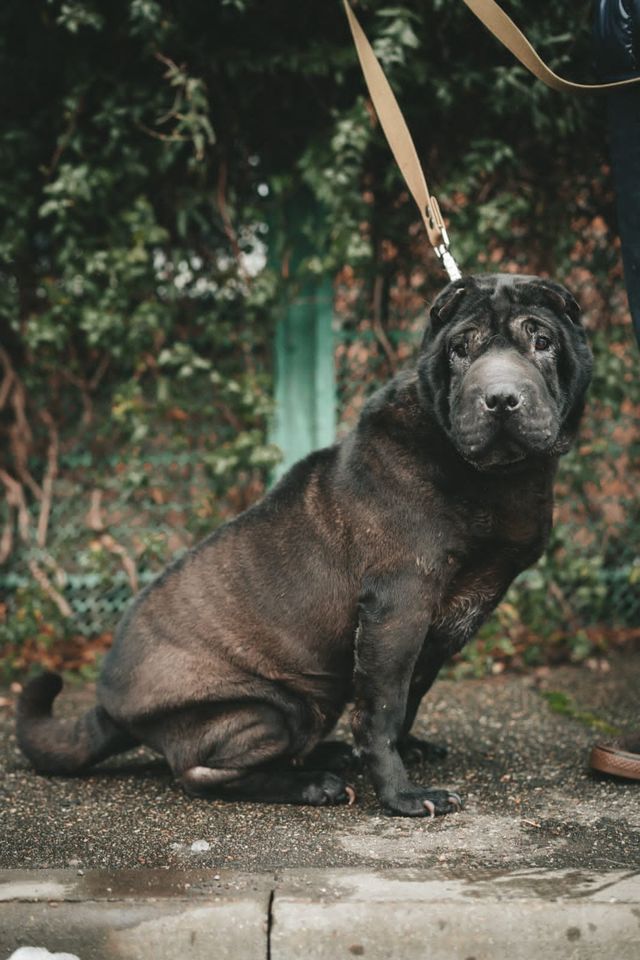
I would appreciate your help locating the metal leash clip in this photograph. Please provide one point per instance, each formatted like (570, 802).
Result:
(436, 223)
(447, 259)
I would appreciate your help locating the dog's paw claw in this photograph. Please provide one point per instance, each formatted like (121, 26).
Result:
(423, 802)
(327, 789)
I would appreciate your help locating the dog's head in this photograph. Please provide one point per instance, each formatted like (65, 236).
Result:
(504, 366)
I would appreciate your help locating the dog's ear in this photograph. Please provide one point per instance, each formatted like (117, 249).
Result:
(570, 305)
(554, 295)
(446, 304)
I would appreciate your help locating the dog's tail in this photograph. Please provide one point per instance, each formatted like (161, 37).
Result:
(64, 746)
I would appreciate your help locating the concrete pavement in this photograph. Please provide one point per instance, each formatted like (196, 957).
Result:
(543, 861)
(323, 914)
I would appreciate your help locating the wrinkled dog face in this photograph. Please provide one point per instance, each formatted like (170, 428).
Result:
(505, 366)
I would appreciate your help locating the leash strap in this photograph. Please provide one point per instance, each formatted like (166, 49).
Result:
(397, 133)
(504, 29)
(402, 146)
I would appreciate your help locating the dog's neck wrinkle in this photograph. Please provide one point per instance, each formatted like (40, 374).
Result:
(403, 423)
(404, 419)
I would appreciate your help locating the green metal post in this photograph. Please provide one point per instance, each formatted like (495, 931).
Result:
(305, 395)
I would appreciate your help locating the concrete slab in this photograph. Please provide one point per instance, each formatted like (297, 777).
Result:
(136, 915)
(133, 931)
(526, 915)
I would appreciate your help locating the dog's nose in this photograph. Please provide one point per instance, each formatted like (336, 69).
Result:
(502, 398)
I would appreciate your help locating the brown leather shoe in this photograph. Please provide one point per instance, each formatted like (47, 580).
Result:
(620, 757)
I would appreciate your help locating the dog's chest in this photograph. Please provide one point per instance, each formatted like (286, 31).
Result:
(516, 524)
(460, 613)
(499, 544)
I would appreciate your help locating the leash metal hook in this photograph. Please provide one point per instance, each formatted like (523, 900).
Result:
(435, 222)
(448, 261)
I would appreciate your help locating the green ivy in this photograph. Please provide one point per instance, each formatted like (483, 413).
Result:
(147, 152)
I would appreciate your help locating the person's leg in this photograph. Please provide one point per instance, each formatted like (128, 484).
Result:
(624, 137)
(622, 757)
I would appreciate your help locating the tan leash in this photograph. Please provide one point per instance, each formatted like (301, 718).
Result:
(402, 146)
(504, 29)
(397, 132)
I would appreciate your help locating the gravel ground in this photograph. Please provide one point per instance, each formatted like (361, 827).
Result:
(521, 767)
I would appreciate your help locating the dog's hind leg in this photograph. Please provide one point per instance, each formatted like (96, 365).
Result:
(245, 752)
(269, 785)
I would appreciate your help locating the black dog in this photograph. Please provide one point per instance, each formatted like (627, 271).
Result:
(367, 566)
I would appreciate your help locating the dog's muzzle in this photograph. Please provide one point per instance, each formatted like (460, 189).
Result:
(503, 412)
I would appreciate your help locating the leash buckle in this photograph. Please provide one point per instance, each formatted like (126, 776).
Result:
(448, 260)
(443, 253)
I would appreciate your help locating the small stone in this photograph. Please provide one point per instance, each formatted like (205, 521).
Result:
(200, 846)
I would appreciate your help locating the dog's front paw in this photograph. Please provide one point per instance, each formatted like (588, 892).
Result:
(421, 802)
(414, 750)
(323, 789)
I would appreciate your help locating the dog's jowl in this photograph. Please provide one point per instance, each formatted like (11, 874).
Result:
(367, 566)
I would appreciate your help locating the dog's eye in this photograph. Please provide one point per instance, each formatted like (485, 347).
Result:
(542, 343)
(459, 348)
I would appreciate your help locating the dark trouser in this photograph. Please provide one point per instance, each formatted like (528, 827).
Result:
(624, 135)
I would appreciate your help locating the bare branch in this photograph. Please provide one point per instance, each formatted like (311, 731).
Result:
(65, 139)
(101, 369)
(20, 436)
(94, 516)
(378, 329)
(16, 499)
(166, 137)
(6, 540)
(221, 200)
(229, 415)
(8, 379)
(127, 562)
(43, 581)
(50, 475)
(96, 522)
(564, 605)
